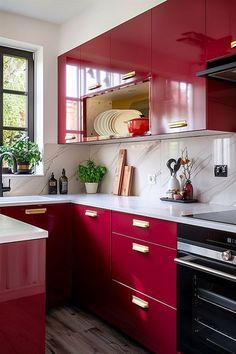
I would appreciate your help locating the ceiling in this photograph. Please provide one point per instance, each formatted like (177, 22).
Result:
(55, 11)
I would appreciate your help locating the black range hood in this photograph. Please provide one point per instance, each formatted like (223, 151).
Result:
(223, 69)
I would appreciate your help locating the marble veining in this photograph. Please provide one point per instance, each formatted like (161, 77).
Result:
(148, 157)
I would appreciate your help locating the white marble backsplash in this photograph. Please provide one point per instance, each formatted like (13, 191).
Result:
(55, 157)
(151, 157)
(147, 158)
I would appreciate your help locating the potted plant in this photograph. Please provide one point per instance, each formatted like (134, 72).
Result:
(91, 174)
(26, 153)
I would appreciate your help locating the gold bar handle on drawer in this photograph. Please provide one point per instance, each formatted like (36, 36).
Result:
(35, 211)
(128, 75)
(141, 223)
(91, 213)
(178, 124)
(140, 248)
(139, 302)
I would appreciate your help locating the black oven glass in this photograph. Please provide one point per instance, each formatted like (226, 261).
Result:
(206, 313)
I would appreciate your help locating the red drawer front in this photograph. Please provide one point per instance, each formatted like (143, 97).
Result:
(148, 268)
(154, 327)
(149, 229)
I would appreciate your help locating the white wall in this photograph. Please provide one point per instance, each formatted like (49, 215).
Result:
(98, 18)
(27, 32)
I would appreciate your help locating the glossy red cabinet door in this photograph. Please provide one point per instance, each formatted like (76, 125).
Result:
(161, 232)
(95, 69)
(131, 49)
(220, 28)
(178, 52)
(91, 268)
(148, 268)
(70, 125)
(58, 246)
(22, 297)
(148, 321)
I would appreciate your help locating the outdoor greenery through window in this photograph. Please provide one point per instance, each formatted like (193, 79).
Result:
(16, 95)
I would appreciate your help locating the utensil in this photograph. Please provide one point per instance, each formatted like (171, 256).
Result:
(138, 126)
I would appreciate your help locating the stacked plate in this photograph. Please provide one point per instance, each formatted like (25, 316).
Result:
(114, 121)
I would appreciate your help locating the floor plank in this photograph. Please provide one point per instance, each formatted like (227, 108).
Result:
(70, 330)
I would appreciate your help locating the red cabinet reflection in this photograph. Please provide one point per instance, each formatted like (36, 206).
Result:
(220, 28)
(178, 52)
(22, 297)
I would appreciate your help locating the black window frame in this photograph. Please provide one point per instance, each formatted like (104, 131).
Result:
(29, 93)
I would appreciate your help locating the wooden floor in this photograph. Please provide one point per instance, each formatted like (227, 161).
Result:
(72, 331)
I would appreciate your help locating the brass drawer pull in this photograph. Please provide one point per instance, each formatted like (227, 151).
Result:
(139, 302)
(140, 248)
(141, 223)
(94, 86)
(128, 75)
(178, 124)
(35, 211)
(233, 44)
(91, 213)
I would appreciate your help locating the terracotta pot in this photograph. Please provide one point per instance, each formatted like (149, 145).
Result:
(23, 168)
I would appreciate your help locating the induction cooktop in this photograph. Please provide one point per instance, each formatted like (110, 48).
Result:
(227, 216)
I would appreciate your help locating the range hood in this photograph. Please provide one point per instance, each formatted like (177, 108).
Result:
(223, 69)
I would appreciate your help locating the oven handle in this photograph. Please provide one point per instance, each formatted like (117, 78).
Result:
(188, 261)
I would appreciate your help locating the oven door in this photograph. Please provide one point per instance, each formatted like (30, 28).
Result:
(206, 306)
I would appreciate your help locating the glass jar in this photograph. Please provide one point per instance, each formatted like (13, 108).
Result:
(188, 190)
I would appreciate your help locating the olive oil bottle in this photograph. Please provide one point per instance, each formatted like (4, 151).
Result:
(63, 183)
(52, 185)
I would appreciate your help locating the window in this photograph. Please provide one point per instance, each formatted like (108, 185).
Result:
(16, 94)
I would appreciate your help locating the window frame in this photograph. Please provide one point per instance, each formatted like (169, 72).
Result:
(29, 93)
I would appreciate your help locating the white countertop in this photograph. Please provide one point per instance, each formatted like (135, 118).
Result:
(170, 211)
(12, 230)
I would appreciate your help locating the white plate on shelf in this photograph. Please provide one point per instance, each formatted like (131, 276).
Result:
(119, 124)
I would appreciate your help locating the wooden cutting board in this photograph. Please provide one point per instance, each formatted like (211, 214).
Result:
(119, 171)
(127, 180)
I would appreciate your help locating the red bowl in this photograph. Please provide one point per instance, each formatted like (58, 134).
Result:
(138, 126)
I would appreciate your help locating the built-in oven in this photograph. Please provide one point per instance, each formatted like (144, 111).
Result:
(206, 290)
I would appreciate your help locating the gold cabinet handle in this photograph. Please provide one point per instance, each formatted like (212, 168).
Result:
(35, 211)
(91, 213)
(128, 75)
(233, 44)
(178, 124)
(139, 302)
(71, 138)
(94, 86)
(141, 223)
(140, 248)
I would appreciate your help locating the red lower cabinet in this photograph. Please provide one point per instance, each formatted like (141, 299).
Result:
(141, 270)
(56, 219)
(22, 297)
(91, 269)
(150, 322)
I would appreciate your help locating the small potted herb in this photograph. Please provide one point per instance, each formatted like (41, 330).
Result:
(26, 153)
(91, 174)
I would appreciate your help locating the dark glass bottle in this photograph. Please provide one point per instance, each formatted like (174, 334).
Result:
(52, 185)
(63, 183)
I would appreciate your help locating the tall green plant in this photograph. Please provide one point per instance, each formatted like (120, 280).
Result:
(89, 172)
(26, 151)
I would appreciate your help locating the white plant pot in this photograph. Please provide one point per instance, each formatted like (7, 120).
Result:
(91, 187)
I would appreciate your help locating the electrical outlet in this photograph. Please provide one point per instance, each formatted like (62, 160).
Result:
(152, 179)
(221, 170)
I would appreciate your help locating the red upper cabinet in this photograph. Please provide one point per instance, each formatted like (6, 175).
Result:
(220, 28)
(70, 127)
(95, 70)
(131, 49)
(178, 52)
